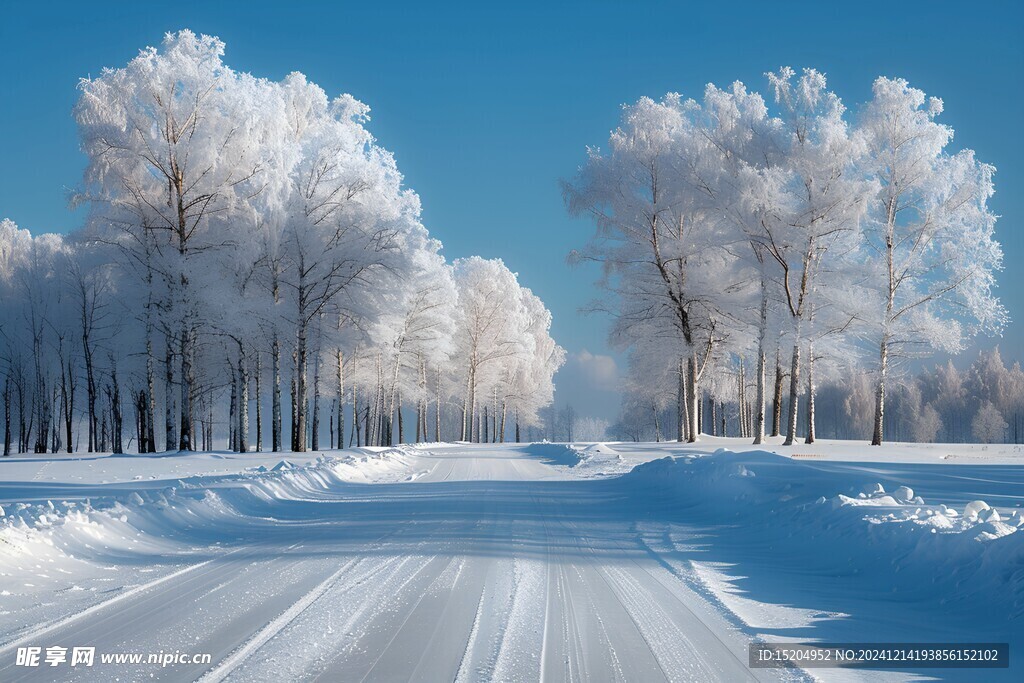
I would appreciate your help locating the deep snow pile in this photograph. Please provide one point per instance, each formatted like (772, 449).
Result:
(600, 460)
(827, 525)
(554, 453)
(584, 460)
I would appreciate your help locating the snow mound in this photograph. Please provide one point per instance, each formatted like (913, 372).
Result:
(894, 539)
(555, 453)
(601, 449)
(975, 508)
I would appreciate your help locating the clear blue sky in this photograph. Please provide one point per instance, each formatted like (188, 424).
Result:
(487, 105)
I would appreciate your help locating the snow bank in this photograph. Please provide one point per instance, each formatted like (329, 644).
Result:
(891, 541)
(40, 539)
(555, 453)
(587, 460)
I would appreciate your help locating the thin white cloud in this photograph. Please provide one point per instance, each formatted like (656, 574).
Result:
(596, 370)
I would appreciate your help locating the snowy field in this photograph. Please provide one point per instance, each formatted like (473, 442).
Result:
(637, 562)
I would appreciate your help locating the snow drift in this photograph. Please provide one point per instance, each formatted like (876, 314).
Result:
(161, 521)
(887, 541)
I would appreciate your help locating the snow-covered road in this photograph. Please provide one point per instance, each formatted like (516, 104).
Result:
(637, 562)
(488, 566)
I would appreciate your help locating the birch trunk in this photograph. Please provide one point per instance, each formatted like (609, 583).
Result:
(243, 401)
(90, 383)
(233, 414)
(259, 402)
(692, 363)
(437, 405)
(301, 416)
(794, 396)
(7, 417)
(878, 433)
(759, 408)
(315, 426)
(294, 409)
(469, 405)
(714, 417)
(69, 406)
(366, 425)
(150, 406)
(777, 396)
(681, 431)
(744, 404)
(355, 417)
(116, 416)
(504, 413)
(185, 442)
(401, 430)
(883, 362)
(341, 399)
(170, 438)
(275, 395)
(810, 394)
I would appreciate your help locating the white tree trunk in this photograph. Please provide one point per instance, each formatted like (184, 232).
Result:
(794, 396)
(692, 397)
(437, 406)
(275, 391)
(341, 400)
(810, 394)
(259, 402)
(761, 362)
(243, 400)
(883, 362)
(185, 441)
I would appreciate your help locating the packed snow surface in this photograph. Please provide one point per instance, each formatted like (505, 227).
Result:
(637, 562)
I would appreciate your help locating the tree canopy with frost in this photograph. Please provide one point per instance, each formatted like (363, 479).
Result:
(247, 237)
(735, 225)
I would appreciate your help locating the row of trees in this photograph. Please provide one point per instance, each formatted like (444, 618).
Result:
(249, 246)
(737, 233)
(984, 404)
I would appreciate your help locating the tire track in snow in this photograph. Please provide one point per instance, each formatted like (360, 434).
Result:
(603, 633)
(458, 565)
(369, 608)
(368, 611)
(656, 621)
(516, 658)
(273, 628)
(444, 653)
(260, 660)
(462, 674)
(40, 631)
(678, 578)
(576, 579)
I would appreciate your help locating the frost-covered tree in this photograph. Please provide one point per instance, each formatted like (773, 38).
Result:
(667, 252)
(173, 147)
(234, 220)
(592, 429)
(527, 384)
(728, 229)
(498, 329)
(811, 206)
(930, 231)
(988, 425)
